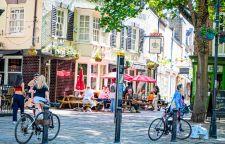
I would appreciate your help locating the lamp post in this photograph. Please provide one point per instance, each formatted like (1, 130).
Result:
(213, 126)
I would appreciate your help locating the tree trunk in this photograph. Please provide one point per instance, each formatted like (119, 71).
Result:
(200, 102)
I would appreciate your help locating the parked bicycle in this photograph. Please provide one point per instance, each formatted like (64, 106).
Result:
(28, 125)
(163, 126)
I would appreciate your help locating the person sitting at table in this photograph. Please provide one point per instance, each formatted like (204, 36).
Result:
(104, 96)
(88, 98)
(132, 101)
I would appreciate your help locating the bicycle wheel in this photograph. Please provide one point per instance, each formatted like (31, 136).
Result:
(156, 129)
(183, 129)
(54, 127)
(24, 129)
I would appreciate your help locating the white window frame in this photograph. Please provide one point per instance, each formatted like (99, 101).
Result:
(96, 29)
(86, 28)
(16, 20)
(222, 54)
(62, 24)
(133, 38)
(6, 66)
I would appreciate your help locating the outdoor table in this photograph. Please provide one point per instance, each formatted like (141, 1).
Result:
(71, 99)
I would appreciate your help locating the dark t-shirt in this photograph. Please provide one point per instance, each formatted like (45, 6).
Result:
(40, 92)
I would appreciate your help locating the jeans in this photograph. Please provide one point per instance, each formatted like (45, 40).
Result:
(18, 102)
(112, 105)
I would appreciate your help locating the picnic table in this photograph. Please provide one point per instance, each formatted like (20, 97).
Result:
(70, 100)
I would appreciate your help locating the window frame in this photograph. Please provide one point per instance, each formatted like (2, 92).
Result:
(86, 28)
(96, 29)
(133, 39)
(16, 20)
(63, 25)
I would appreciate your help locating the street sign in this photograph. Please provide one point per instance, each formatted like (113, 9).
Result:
(184, 71)
(220, 104)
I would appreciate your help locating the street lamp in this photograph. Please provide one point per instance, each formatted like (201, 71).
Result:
(213, 126)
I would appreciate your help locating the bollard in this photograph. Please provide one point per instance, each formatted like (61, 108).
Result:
(118, 125)
(174, 126)
(45, 125)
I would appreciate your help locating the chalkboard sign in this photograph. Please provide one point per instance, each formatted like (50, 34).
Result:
(220, 104)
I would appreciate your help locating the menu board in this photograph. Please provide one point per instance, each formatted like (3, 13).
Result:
(220, 104)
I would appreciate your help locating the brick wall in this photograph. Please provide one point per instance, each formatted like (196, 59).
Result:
(53, 79)
(65, 83)
(30, 67)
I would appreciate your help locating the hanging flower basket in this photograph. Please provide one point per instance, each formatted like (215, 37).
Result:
(222, 37)
(127, 64)
(32, 52)
(150, 65)
(76, 56)
(207, 33)
(98, 57)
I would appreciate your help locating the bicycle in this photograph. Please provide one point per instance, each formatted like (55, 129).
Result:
(163, 126)
(28, 125)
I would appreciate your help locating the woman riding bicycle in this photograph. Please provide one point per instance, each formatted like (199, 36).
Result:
(40, 92)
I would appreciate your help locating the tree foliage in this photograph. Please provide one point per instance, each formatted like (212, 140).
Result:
(114, 12)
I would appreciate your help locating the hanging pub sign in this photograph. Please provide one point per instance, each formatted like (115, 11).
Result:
(155, 45)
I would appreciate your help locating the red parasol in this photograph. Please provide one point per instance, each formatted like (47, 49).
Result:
(80, 81)
(128, 77)
(142, 78)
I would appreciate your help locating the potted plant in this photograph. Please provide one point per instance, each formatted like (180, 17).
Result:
(150, 65)
(207, 33)
(222, 37)
(32, 52)
(98, 57)
(127, 64)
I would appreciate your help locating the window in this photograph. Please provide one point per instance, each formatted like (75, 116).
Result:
(221, 48)
(94, 69)
(104, 38)
(2, 61)
(84, 66)
(133, 39)
(16, 22)
(60, 23)
(84, 28)
(96, 29)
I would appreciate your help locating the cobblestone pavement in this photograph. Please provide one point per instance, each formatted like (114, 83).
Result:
(98, 128)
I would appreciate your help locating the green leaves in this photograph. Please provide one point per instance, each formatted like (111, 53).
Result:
(114, 12)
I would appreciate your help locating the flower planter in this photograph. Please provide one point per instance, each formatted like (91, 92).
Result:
(32, 52)
(76, 57)
(207, 33)
(127, 64)
(98, 59)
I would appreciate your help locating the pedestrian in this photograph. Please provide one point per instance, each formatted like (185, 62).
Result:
(18, 96)
(112, 95)
(40, 92)
(129, 86)
(32, 83)
(156, 98)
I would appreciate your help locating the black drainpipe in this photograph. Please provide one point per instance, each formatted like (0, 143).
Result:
(34, 23)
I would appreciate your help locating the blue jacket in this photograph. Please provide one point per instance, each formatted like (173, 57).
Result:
(177, 98)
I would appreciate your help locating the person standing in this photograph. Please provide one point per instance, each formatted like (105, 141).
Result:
(112, 95)
(18, 96)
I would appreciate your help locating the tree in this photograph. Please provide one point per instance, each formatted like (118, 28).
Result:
(197, 12)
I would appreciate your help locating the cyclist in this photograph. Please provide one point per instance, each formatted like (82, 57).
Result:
(40, 92)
